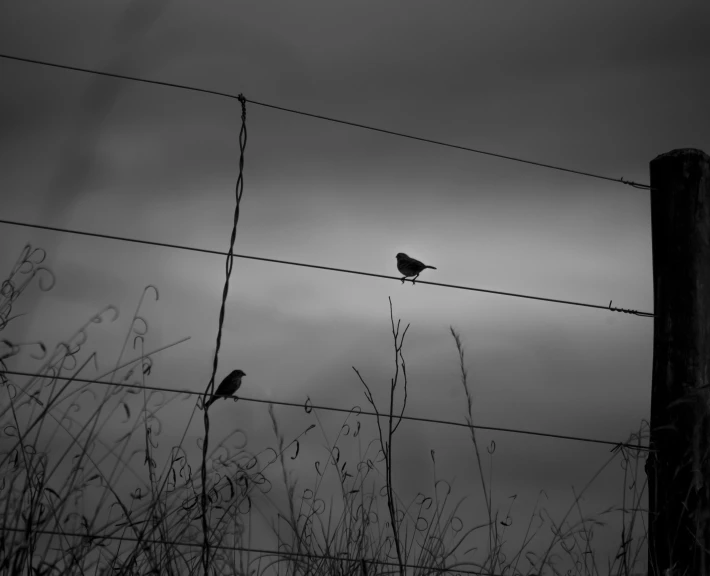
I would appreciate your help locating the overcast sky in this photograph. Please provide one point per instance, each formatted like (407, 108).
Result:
(600, 87)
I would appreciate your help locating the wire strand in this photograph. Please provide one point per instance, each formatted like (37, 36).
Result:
(328, 268)
(244, 549)
(455, 146)
(308, 406)
(330, 119)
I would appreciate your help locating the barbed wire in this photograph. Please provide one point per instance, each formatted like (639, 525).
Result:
(265, 551)
(308, 406)
(330, 119)
(328, 268)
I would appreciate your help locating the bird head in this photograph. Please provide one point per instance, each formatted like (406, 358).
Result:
(401, 255)
(238, 373)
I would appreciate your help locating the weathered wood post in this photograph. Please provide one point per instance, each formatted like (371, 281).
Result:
(679, 463)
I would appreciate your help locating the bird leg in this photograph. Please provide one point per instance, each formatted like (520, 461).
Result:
(413, 279)
(403, 279)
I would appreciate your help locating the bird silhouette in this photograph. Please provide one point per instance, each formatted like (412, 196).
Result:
(227, 387)
(410, 267)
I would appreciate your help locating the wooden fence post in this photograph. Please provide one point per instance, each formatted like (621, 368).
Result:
(679, 463)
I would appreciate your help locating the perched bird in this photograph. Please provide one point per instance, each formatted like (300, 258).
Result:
(410, 267)
(227, 387)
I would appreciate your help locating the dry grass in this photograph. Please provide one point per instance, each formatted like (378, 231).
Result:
(78, 498)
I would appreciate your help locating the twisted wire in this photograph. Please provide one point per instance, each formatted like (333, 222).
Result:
(229, 265)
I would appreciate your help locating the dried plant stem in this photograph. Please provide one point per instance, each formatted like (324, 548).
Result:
(469, 419)
(393, 423)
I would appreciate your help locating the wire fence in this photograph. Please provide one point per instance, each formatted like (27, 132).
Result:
(313, 266)
(308, 406)
(328, 119)
(609, 308)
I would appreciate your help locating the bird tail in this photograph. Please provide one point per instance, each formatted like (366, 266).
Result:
(432, 267)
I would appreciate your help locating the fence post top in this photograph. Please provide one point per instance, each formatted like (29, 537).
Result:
(682, 152)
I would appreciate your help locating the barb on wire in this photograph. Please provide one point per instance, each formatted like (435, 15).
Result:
(317, 267)
(308, 406)
(635, 184)
(329, 119)
(630, 311)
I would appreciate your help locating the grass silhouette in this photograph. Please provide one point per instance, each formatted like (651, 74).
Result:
(85, 489)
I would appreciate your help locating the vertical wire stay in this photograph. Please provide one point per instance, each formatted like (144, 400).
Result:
(229, 264)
